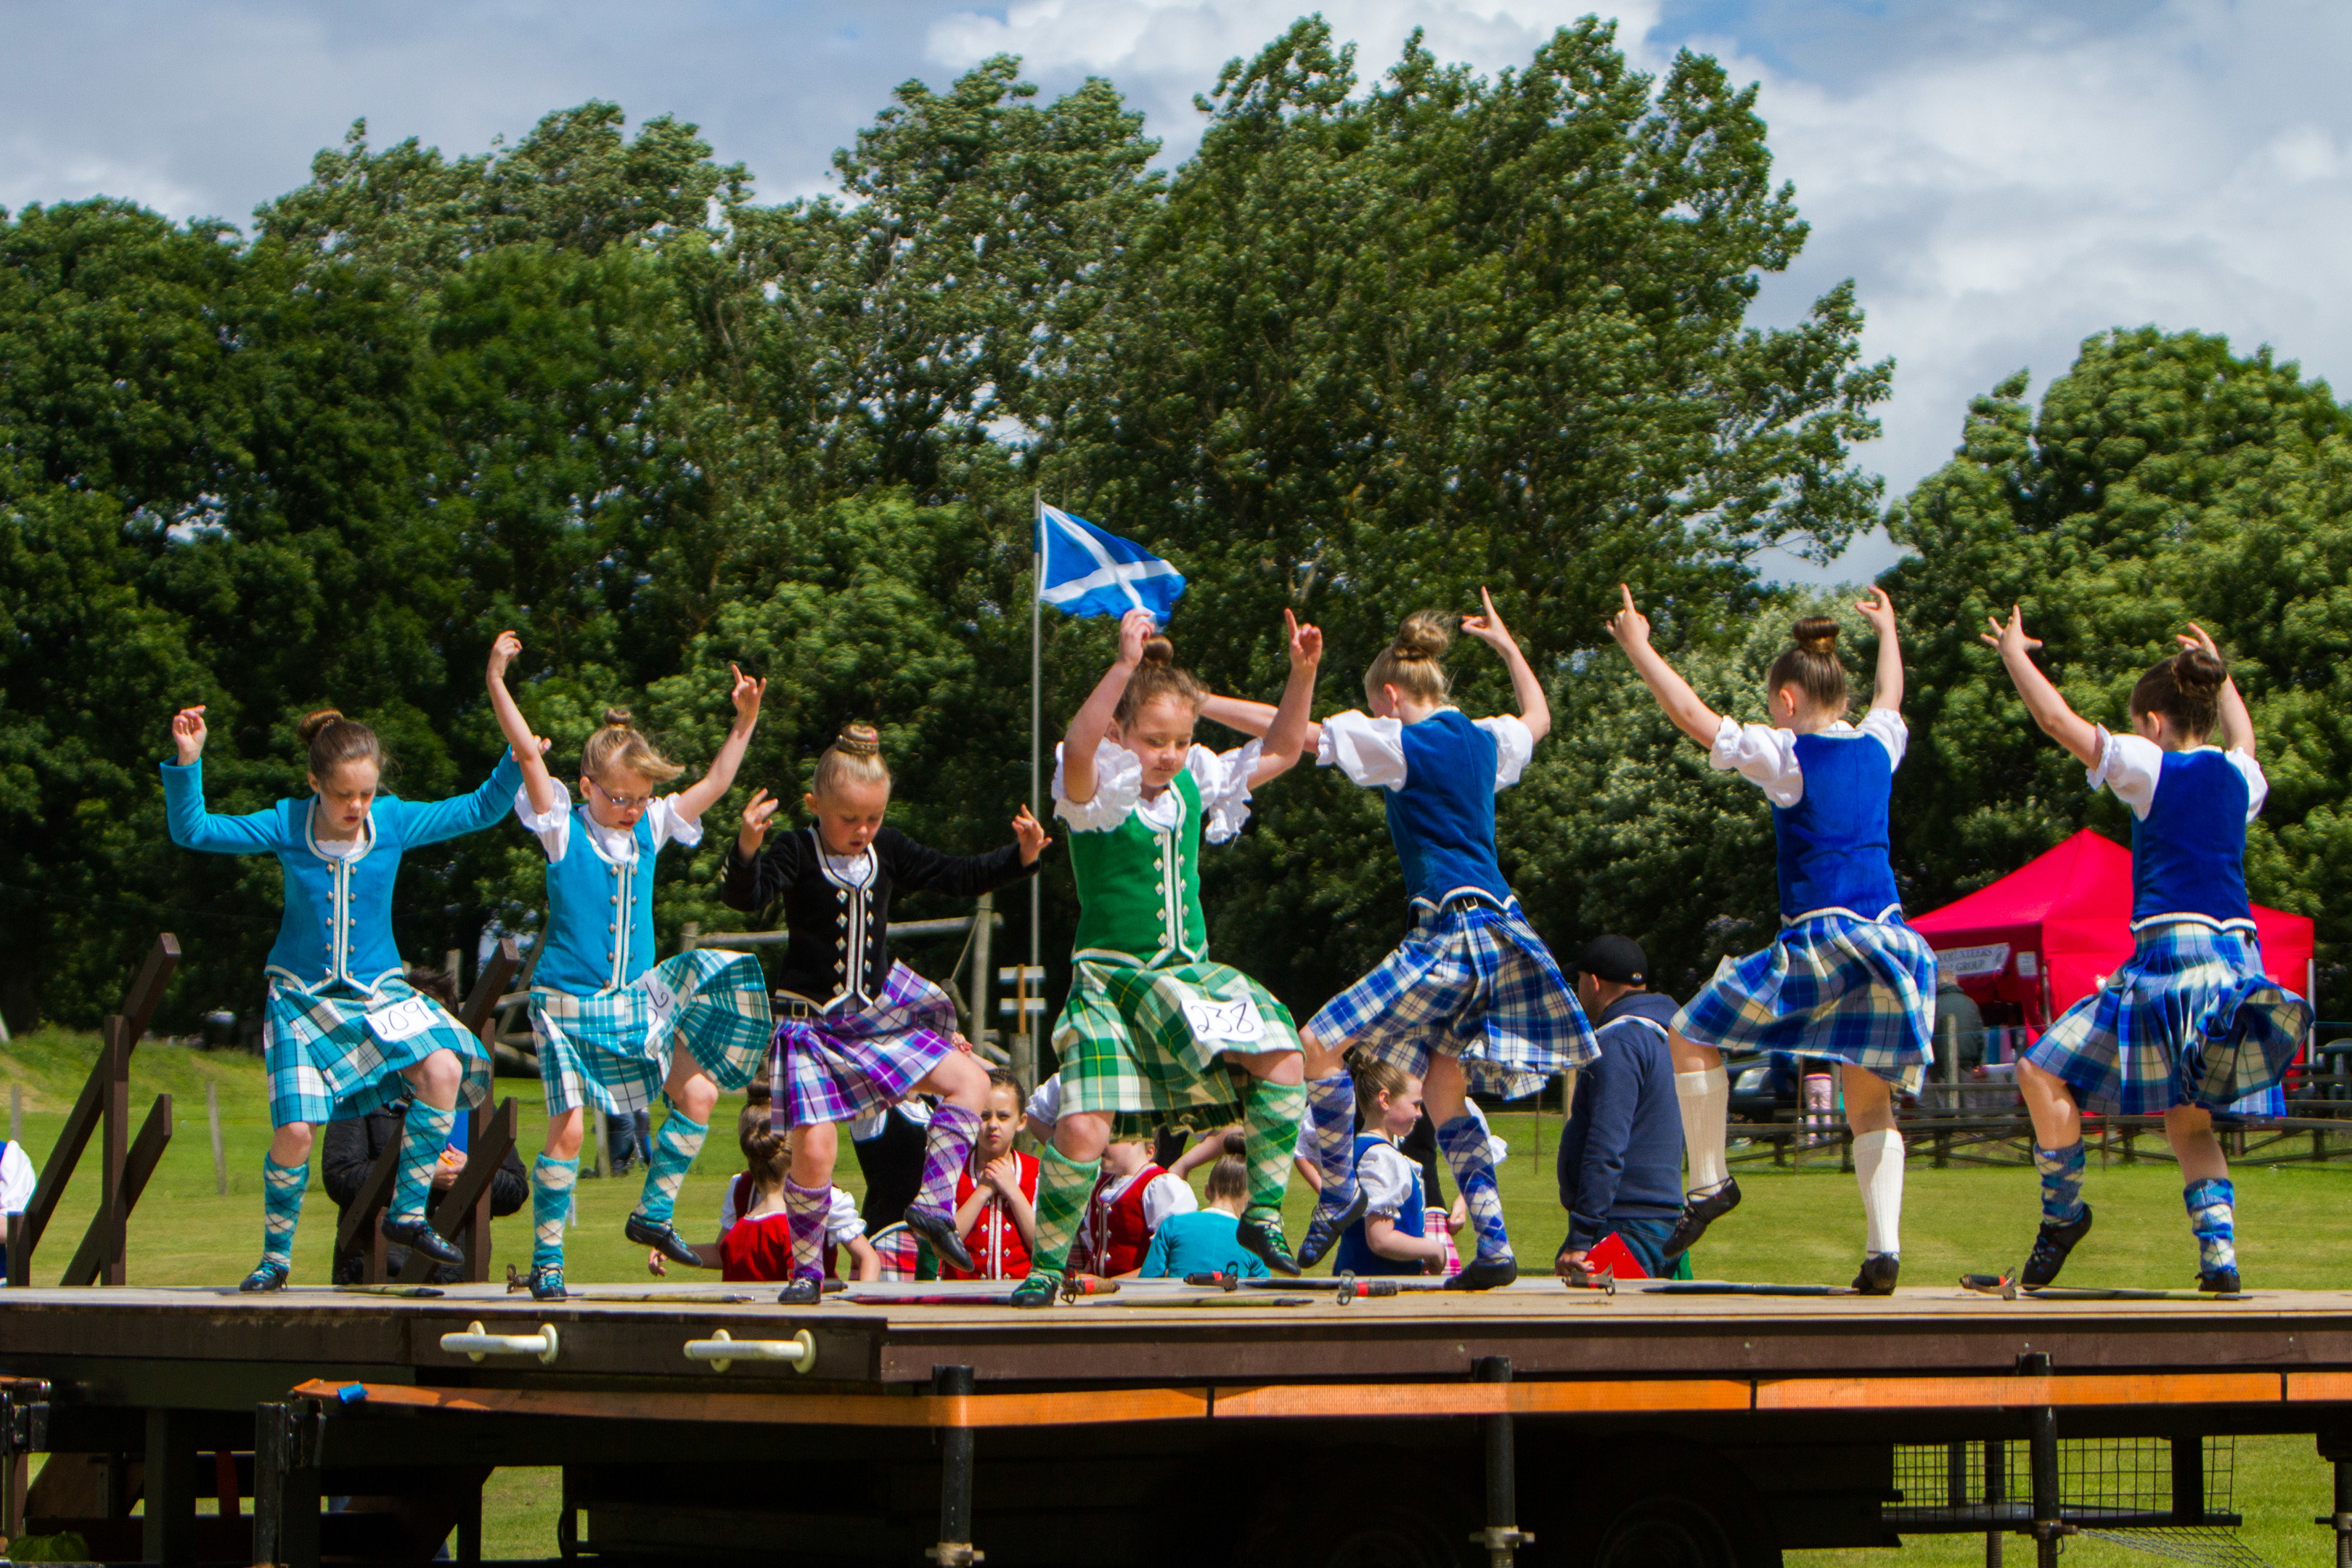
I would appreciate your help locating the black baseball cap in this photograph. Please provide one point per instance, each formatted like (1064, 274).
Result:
(1616, 959)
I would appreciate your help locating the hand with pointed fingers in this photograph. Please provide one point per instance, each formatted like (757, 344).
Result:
(2009, 639)
(1488, 626)
(1031, 835)
(1629, 625)
(188, 734)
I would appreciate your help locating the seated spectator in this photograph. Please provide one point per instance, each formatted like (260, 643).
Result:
(755, 1235)
(1620, 1158)
(1131, 1200)
(1207, 1241)
(349, 1149)
(996, 1196)
(1394, 1237)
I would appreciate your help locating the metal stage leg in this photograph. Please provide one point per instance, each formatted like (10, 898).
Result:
(286, 1486)
(1502, 1538)
(2041, 1431)
(2336, 1448)
(1996, 1490)
(2189, 1480)
(955, 1548)
(169, 1534)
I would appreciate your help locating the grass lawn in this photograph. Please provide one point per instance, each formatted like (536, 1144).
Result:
(1796, 1227)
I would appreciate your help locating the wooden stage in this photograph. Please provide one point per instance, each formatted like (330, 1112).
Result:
(1795, 1402)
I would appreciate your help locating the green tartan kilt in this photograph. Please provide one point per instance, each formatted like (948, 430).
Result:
(1148, 1044)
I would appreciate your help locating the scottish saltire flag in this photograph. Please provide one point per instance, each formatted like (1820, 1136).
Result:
(1086, 572)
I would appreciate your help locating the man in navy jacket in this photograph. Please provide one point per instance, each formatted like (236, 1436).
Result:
(1621, 1161)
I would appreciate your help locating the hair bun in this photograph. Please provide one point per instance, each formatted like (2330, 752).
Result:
(1426, 634)
(2197, 673)
(617, 717)
(308, 729)
(1159, 650)
(1816, 633)
(860, 741)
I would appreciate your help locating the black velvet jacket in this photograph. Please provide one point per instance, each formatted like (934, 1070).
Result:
(841, 947)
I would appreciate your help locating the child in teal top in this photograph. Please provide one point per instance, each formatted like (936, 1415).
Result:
(1207, 1241)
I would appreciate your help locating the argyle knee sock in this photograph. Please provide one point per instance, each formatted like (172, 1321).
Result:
(1704, 1098)
(2213, 1219)
(1063, 1186)
(1464, 1139)
(1332, 1122)
(945, 1149)
(2062, 1182)
(552, 1181)
(674, 1150)
(1878, 1167)
(427, 1135)
(805, 1212)
(282, 1187)
(1270, 1114)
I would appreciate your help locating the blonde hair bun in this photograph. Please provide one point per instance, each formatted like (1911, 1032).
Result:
(618, 742)
(855, 757)
(1412, 661)
(1424, 635)
(860, 741)
(1815, 634)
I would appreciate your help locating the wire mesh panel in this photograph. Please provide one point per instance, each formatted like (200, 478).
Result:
(2154, 1494)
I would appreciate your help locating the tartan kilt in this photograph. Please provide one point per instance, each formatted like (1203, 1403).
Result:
(901, 1250)
(1474, 983)
(607, 1048)
(1860, 991)
(1149, 1040)
(336, 1053)
(852, 1062)
(2190, 1019)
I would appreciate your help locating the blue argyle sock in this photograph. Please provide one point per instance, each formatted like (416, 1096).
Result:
(674, 1150)
(282, 1187)
(1464, 1139)
(420, 1150)
(1332, 1122)
(552, 1181)
(2062, 1182)
(2213, 1219)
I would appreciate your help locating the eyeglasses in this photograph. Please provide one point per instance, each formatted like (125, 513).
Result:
(621, 801)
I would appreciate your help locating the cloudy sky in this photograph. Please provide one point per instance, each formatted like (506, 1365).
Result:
(2001, 177)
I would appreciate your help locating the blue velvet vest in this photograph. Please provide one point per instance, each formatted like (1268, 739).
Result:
(1833, 844)
(2188, 855)
(1354, 1255)
(1443, 820)
(584, 892)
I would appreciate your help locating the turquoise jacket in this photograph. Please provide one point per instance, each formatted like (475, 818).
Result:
(338, 920)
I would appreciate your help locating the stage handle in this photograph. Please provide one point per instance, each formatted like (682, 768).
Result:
(476, 1344)
(722, 1350)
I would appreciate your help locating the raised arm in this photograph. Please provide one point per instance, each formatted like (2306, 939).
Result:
(2059, 722)
(1691, 716)
(524, 745)
(1879, 611)
(1535, 713)
(1092, 722)
(2237, 725)
(703, 794)
(1287, 734)
(184, 816)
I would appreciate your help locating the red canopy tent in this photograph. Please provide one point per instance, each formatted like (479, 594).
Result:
(2044, 936)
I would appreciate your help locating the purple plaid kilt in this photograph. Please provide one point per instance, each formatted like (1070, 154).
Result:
(844, 1064)
(2190, 1019)
(1831, 985)
(1471, 981)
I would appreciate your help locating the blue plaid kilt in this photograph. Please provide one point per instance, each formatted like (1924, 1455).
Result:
(848, 1063)
(335, 1053)
(614, 1048)
(2190, 1019)
(1473, 983)
(1833, 985)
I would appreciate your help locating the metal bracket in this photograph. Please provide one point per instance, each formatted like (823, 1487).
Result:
(1498, 1538)
(955, 1554)
(24, 1425)
(474, 1343)
(722, 1350)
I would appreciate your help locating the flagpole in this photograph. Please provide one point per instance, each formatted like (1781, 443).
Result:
(1026, 1070)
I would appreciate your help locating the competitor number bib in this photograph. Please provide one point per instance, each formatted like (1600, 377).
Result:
(404, 1020)
(1236, 1023)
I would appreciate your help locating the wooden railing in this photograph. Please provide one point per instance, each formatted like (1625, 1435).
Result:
(125, 1163)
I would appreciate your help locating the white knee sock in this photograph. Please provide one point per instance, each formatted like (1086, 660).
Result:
(1878, 1167)
(1705, 1099)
